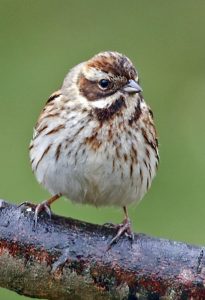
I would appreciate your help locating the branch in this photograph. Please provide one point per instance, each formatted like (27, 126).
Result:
(67, 259)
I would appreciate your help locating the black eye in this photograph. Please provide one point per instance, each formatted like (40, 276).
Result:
(104, 83)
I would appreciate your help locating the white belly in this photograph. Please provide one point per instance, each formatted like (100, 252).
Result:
(102, 177)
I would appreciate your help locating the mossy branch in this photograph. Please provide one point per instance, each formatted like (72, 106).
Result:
(68, 259)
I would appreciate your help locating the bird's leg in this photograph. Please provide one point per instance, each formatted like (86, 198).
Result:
(124, 228)
(43, 206)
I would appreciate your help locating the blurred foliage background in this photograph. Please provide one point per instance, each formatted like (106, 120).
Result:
(42, 40)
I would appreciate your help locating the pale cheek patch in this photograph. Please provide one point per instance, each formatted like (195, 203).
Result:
(99, 103)
(105, 102)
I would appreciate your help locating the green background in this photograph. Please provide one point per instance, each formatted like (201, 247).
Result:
(41, 40)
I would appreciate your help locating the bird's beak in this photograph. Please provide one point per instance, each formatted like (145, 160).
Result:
(132, 87)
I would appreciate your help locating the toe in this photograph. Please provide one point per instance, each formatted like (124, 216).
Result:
(123, 229)
(39, 208)
(26, 204)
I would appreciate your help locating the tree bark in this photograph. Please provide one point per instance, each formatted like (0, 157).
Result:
(64, 258)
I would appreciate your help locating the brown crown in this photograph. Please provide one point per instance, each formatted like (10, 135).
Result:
(114, 63)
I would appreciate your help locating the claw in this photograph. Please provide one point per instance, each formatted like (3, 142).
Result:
(44, 206)
(26, 203)
(109, 225)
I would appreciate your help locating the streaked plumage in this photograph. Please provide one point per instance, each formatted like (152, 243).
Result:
(96, 144)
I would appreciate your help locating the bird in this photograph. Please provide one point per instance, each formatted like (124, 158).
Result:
(95, 141)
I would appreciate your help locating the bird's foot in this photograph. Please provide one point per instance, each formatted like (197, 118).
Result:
(43, 206)
(123, 229)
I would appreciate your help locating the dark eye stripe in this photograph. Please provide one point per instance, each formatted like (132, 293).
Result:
(91, 90)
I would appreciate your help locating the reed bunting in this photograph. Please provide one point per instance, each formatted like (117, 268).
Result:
(95, 140)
